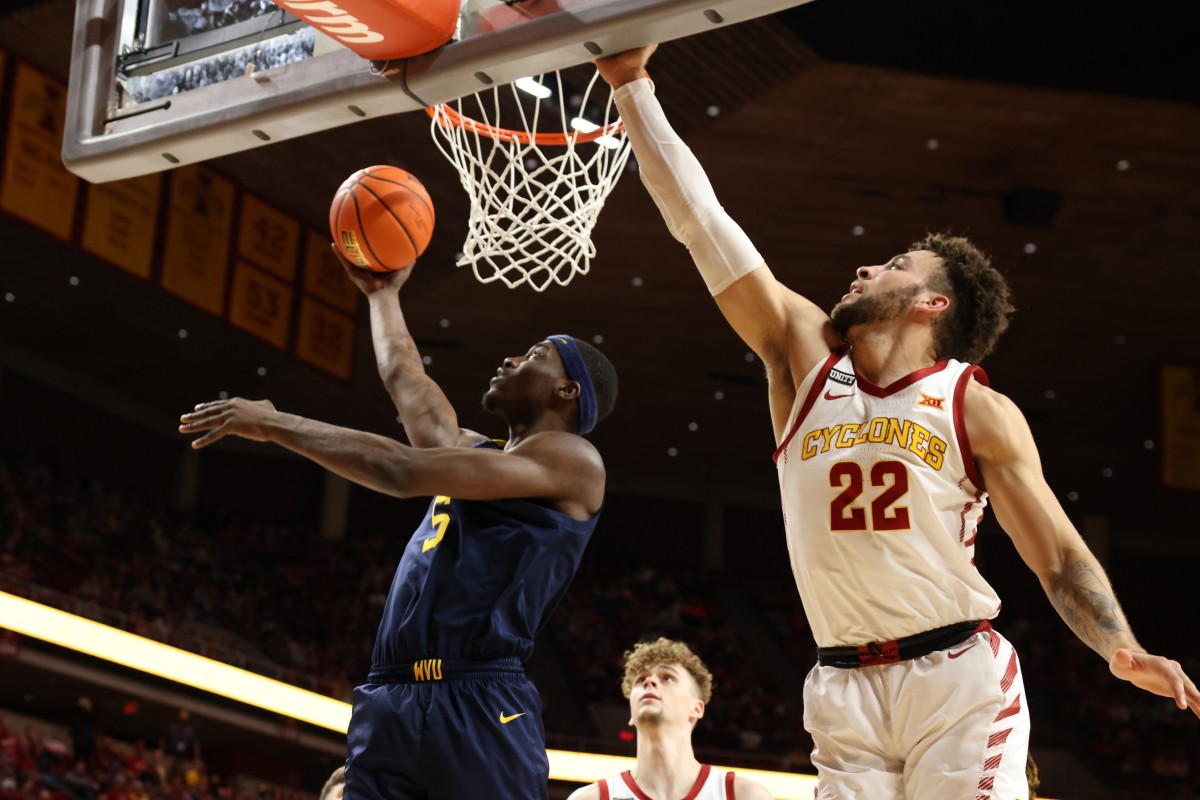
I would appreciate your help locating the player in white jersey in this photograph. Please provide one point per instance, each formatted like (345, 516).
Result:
(668, 687)
(889, 446)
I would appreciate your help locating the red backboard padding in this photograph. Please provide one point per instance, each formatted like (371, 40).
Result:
(381, 29)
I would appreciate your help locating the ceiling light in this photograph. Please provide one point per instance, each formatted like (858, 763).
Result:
(583, 126)
(530, 86)
(858, 230)
(261, 371)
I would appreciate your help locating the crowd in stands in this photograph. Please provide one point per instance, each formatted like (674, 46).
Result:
(287, 598)
(38, 762)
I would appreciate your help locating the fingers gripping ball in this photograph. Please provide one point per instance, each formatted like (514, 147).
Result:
(381, 218)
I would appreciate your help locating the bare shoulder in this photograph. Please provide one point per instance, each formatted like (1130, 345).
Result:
(586, 793)
(746, 789)
(561, 447)
(994, 422)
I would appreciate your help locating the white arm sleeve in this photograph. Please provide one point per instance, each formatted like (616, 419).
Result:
(682, 192)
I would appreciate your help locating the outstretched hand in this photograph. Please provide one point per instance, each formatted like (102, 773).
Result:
(1156, 674)
(622, 68)
(368, 281)
(234, 417)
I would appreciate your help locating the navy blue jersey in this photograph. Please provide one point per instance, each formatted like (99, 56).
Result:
(479, 579)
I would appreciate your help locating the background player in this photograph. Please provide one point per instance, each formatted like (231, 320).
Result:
(668, 687)
(447, 712)
(882, 489)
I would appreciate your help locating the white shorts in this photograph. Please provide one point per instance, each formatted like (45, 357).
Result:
(951, 725)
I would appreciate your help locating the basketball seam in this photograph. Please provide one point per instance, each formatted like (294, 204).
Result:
(428, 205)
(365, 238)
(388, 208)
(337, 218)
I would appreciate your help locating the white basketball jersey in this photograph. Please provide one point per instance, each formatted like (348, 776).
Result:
(881, 501)
(712, 784)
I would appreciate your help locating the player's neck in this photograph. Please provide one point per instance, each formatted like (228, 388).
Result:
(666, 766)
(885, 353)
(518, 431)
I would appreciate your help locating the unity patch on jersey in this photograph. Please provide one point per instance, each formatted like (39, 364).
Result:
(844, 378)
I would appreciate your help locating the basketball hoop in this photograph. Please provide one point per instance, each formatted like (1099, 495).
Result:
(535, 194)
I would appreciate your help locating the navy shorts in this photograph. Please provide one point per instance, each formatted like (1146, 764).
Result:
(474, 732)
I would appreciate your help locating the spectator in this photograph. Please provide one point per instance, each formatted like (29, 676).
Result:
(181, 740)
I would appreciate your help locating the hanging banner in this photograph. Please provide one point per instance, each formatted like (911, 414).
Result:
(1181, 426)
(325, 338)
(199, 225)
(119, 222)
(269, 238)
(36, 186)
(324, 277)
(260, 304)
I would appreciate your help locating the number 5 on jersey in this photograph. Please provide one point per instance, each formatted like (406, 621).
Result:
(440, 522)
(846, 515)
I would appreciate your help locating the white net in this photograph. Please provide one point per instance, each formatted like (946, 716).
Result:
(535, 195)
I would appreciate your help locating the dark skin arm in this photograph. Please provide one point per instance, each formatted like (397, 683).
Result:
(428, 418)
(553, 465)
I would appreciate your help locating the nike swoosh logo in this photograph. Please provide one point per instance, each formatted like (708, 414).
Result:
(960, 652)
(505, 719)
(831, 396)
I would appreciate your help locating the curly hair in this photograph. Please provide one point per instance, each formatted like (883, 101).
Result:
(979, 298)
(604, 378)
(666, 651)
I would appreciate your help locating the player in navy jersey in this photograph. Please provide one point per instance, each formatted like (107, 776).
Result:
(889, 446)
(447, 712)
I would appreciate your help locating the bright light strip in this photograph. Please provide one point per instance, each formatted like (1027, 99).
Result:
(534, 88)
(129, 650)
(611, 142)
(583, 126)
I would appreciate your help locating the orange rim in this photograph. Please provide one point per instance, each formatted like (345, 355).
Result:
(454, 119)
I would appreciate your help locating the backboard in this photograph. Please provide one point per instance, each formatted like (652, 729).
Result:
(159, 83)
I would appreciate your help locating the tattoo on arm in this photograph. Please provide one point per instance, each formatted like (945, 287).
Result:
(1085, 601)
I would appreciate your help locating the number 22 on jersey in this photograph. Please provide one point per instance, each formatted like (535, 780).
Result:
(440, 522)
(847, 514)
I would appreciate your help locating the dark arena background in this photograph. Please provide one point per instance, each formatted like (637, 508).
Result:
(1063, 139)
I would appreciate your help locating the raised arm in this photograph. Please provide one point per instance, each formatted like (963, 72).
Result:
(556, 466)
(1047, 541)
(787, 331)
(428, 418)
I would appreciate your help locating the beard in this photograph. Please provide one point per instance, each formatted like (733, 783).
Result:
(488, 401)
(877, 308)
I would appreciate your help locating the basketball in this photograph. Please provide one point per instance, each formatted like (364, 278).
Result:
(381, 218)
